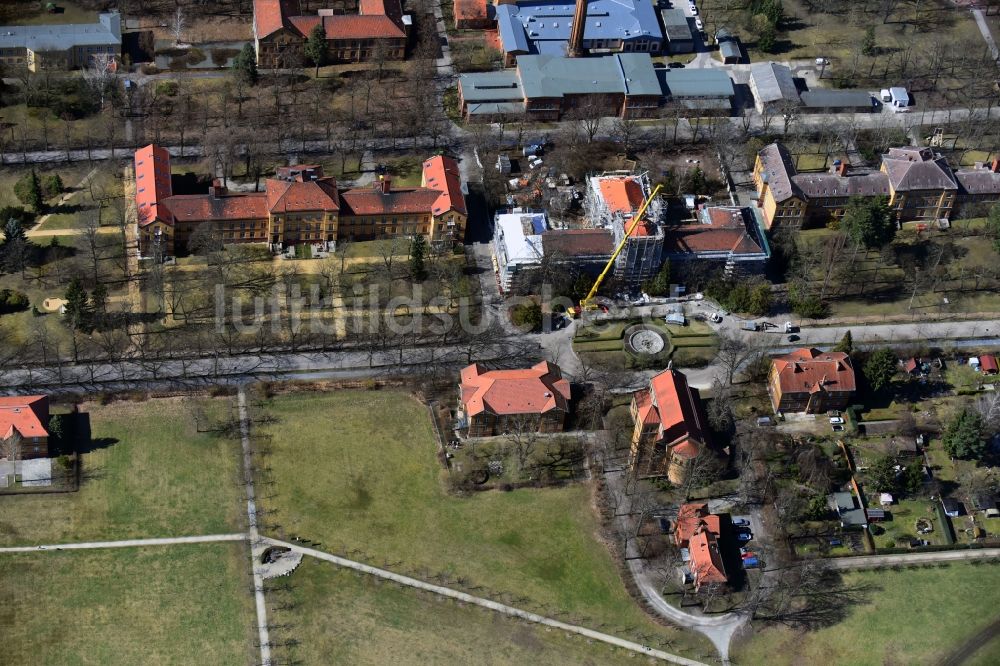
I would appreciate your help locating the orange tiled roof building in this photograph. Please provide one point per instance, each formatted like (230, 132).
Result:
(379, 29)
(812, 381)
(27, 417)
(498, 401)
(698, 530)
(669, 432)
(299, 206)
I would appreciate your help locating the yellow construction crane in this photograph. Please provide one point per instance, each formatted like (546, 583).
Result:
(588, 302)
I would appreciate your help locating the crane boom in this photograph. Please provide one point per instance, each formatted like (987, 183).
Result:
(586, 302)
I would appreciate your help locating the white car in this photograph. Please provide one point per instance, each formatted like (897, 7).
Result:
(698, 24)
(836, 420)
(694, 10)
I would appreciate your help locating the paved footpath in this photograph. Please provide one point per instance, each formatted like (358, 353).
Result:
(256, 545)
(128, 543)
(876, 561)
(487, 603)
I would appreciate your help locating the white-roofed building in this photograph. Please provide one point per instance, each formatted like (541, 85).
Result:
(517, 245)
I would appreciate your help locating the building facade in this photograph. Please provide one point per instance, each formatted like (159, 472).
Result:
(612, 202)
(377, 32)
(545, 88)
(918, 183)
(496, 402)
(811, 381)
(669, 428)
(39, 47)
(300, 206)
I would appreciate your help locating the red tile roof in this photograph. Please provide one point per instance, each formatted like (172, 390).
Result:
(644, 228)
(152, 184)
(27, 415)
(295, 195)
(377, 19)
(808, 370)
(578, 242)
(204, 207)
(621, 194)
(988, 364)
(676, 408)
(706, 559)
(362, 27)
(442, 174)
(371, 201)
(268, 16)
(535, 390)
(721, 229)
(690, 517)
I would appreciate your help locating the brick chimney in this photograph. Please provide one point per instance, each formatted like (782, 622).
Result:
(574, 48)
(382, 184)
(842, 168)
(217, 189)
(995, 165)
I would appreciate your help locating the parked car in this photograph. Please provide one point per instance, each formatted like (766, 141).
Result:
(744, 550)
(836, 542)
(836, 420)
(741, 522)
(676, 65)
(751, 563)
(747, 555)
(664, 525)
(744, 536)
(838, 428)
(793, 338)
(698, 24)
(764, 421)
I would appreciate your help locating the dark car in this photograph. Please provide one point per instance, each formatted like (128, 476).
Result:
(793, 338)
(744, 535)
(676, 65)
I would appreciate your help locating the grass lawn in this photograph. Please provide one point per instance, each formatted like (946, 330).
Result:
(185, 604)
(912, 617)
(70, 12)
(148, 474)
(379, 496)
(339, 617)
(903, 524)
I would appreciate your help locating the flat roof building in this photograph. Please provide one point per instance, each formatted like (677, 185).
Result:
(517, 245)
(679, 38)
(836, 101)
(707, 89)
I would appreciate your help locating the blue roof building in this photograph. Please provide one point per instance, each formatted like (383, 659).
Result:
(543, 28)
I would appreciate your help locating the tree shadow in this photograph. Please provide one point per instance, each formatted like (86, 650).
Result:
(79, 435)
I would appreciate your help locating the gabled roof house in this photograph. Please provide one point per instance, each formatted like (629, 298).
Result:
(498, 401)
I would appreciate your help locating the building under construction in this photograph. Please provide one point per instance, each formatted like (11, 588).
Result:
(611, 202)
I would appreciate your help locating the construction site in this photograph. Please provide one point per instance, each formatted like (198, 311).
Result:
(614, 215)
